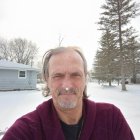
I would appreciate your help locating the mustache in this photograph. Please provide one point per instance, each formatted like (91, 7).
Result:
(67, 91)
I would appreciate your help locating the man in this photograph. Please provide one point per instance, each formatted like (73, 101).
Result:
(69, 115)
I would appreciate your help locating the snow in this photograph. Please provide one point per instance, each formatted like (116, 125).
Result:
(14, 104)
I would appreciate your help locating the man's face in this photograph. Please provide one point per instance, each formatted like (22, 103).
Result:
(66, 79)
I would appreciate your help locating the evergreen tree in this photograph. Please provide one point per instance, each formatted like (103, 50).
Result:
(117, 15)
(106, 57)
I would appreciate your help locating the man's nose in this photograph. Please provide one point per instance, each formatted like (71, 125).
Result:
(67, 82)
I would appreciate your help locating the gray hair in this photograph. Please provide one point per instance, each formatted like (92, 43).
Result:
(46, 59)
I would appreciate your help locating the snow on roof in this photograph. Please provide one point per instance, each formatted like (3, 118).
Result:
(4, 64)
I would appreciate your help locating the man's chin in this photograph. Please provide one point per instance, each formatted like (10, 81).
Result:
(67, 105)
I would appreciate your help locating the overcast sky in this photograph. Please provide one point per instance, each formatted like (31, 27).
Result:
(43, 21)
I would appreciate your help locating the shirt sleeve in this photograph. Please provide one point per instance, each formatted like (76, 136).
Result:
(121, 129)
(18, 131)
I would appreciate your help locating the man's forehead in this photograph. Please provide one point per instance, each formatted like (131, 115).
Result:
(67, 54)
(66, 72)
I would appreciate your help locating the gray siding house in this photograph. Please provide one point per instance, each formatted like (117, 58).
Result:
(15, 76)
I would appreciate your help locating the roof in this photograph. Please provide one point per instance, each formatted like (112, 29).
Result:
(4, 64)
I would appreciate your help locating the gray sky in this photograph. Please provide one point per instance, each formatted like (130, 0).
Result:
(43, 21)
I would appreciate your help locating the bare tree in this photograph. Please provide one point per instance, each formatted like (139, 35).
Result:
(60, 41)
(4, 52)
(22, 51)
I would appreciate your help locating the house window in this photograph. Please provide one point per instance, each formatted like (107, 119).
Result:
(22, 74)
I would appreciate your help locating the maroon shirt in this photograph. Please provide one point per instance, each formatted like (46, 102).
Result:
(102, 121)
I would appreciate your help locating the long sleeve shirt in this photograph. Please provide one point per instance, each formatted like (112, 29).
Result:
(102, 121)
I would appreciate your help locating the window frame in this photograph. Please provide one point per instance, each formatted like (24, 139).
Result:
(20, 75)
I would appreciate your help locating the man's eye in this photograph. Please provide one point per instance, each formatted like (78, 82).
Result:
(57, 76)
(76, 75)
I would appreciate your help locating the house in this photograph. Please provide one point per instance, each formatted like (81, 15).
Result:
(15, 76)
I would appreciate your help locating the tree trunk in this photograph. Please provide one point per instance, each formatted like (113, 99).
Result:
(122, 74)
(121, 50)
(110, 82)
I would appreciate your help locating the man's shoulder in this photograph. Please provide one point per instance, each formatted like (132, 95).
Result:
(45, 105)
(29, 124)
(108, 121)
(101, 106)
(39, 111)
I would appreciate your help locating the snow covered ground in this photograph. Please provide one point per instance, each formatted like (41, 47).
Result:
(16, 103)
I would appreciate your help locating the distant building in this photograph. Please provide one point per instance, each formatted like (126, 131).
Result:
(15, 76)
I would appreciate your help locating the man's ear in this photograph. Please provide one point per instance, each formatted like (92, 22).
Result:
(47, 82)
